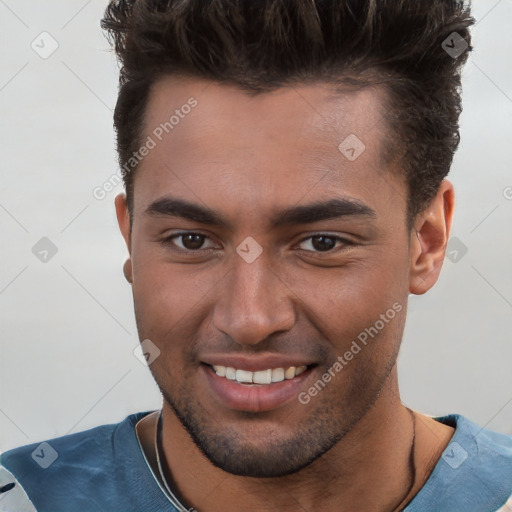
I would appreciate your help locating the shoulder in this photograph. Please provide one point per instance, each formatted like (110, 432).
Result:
(474, 472)
(92, 447)
(83, 470)
(486, 453)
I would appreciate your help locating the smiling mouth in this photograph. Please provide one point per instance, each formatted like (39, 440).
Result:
(262, 377)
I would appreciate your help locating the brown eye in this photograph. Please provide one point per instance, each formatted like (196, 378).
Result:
(190, 241)
(323, 243)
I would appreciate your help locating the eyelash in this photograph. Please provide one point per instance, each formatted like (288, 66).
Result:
(343, 241)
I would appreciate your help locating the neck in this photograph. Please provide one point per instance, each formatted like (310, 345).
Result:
(369, 469)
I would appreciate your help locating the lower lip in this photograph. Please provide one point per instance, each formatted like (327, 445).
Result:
(255, 398)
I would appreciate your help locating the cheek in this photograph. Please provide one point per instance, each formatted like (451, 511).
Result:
(166, 297)
(346, 303)
(353, 294)
(170, 312)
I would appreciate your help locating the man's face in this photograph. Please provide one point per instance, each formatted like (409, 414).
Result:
(238, 175)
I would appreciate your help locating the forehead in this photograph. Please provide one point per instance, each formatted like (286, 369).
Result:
(314, 115)
(282, 144)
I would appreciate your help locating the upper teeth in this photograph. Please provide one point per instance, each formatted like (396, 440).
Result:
(261, 377)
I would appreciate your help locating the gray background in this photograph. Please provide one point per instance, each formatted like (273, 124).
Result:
(67, 327)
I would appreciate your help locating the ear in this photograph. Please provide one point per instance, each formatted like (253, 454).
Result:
(429, 237)
(123, 219)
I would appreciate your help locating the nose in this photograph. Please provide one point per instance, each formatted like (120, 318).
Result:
(254, 303)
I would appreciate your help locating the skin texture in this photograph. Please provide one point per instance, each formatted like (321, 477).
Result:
(247, 159)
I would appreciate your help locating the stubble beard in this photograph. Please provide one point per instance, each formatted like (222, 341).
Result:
(274, 453)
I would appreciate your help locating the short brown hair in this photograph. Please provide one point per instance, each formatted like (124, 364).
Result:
(260, 45)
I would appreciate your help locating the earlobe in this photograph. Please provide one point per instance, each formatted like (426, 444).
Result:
(429, 238)
(128, 271)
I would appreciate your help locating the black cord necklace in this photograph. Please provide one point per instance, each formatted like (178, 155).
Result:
(158, 450)
(412, 465)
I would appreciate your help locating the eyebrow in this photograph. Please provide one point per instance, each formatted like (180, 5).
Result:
(304, 214)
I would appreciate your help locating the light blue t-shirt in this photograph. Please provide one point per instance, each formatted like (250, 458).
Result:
(104, 470)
